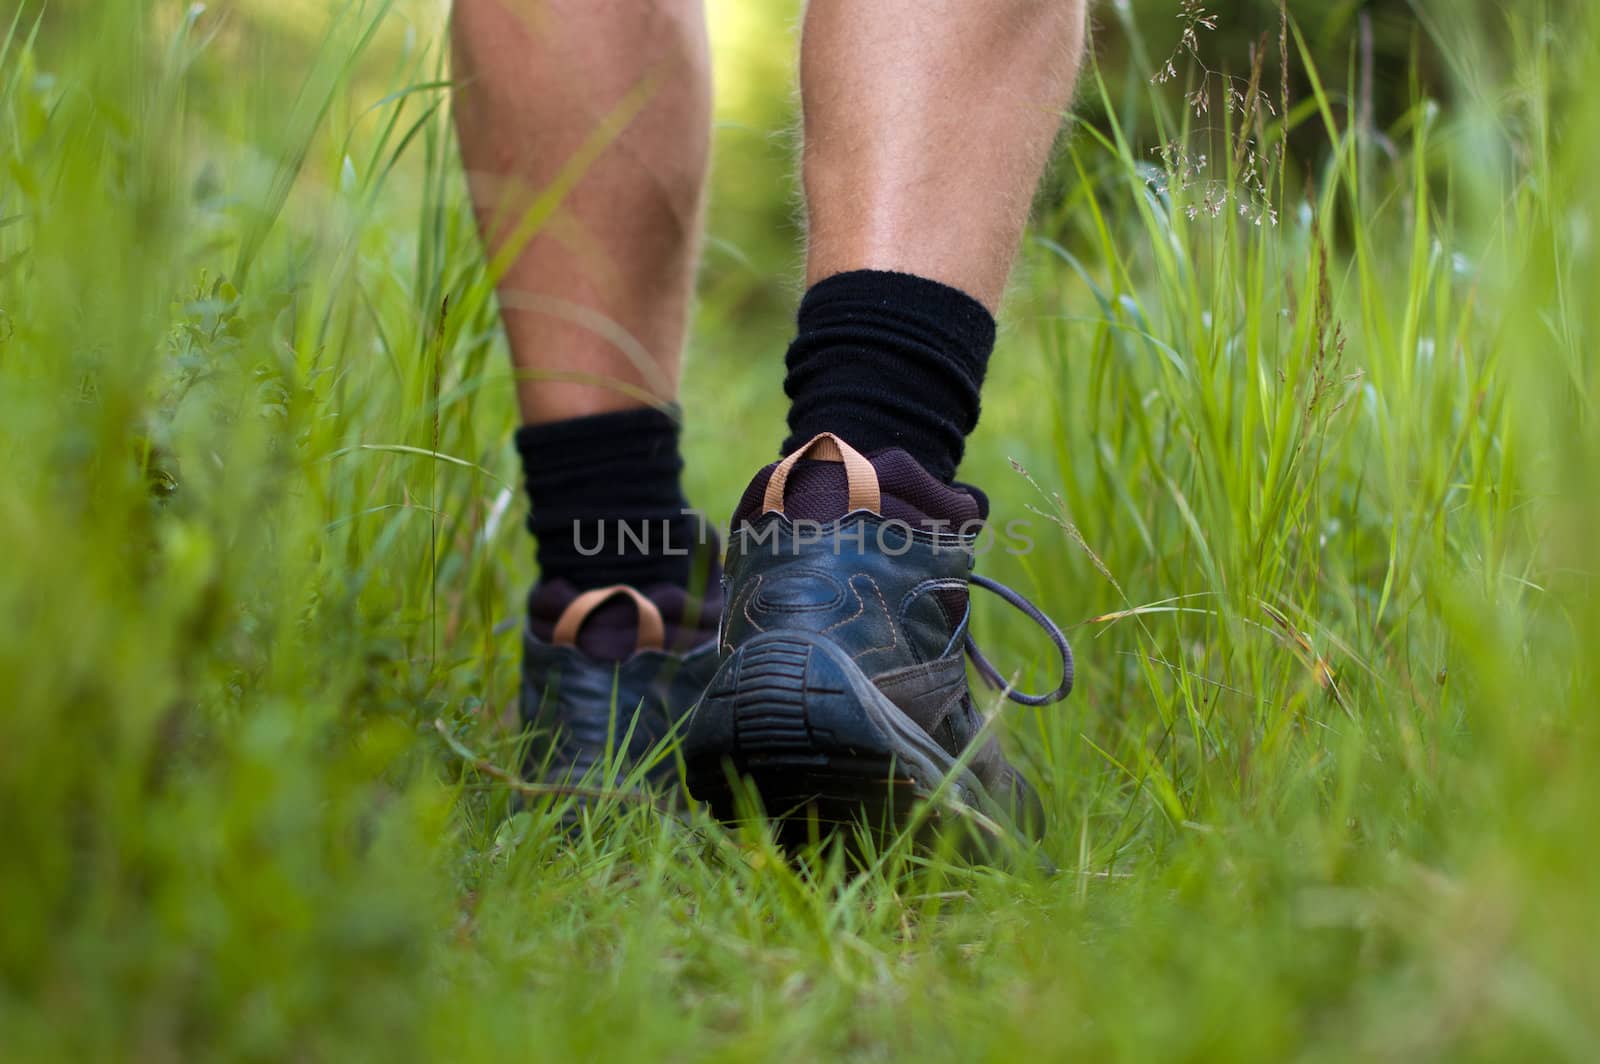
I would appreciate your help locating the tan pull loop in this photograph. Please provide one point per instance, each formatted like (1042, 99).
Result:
(861, 480)
(652, 630)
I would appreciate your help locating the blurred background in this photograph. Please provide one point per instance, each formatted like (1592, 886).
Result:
(1377, 56)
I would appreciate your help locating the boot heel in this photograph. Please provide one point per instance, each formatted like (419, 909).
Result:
(783, 715)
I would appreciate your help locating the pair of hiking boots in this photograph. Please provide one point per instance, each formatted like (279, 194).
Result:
(834, 686)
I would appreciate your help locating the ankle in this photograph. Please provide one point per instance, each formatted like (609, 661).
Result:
(606, 502)
(889, 360)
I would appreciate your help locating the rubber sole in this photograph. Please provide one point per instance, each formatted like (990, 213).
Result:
(791, 728)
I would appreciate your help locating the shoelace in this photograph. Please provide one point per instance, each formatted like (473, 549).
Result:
(991, 675)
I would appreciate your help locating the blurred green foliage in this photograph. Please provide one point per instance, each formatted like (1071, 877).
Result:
(1376, 56)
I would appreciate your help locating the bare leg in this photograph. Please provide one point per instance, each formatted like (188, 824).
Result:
(615, 94)
(927, 126)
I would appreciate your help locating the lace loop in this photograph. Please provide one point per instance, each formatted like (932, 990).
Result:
(991, 675)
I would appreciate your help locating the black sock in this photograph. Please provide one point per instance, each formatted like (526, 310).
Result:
(889, 360)
(607, 505)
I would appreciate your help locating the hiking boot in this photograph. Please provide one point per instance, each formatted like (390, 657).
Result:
(842, 684)
(607, 675)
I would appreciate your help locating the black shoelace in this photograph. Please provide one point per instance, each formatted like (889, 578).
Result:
(991, 675)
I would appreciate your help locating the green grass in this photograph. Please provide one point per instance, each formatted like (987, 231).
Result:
(1317, 497)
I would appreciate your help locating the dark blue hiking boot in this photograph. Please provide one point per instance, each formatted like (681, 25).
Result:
(606, 677)
(842, 690)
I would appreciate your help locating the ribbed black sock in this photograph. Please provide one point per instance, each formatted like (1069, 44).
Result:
(889, 360)
(607, 504)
